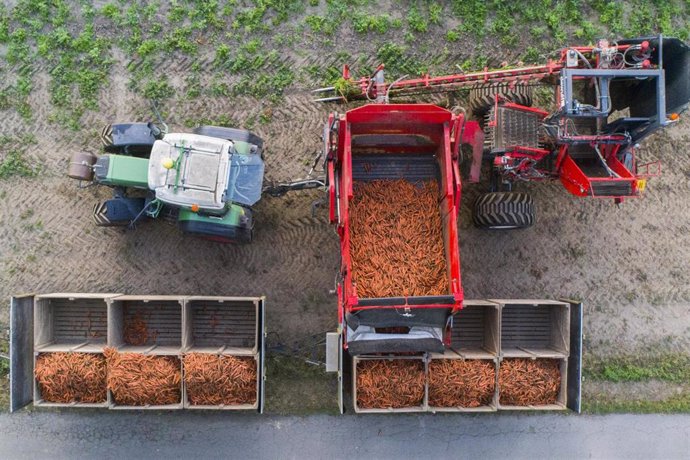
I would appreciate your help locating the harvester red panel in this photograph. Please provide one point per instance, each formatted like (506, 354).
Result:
(411, 142)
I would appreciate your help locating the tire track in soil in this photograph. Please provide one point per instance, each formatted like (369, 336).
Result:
(628, 264)
(155, 258)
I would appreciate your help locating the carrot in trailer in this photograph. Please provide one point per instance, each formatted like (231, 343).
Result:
(383, 384)
(529, 382)
(135, 379)
(214, 380)
(461, 383)
(396, 239)
(71, 377)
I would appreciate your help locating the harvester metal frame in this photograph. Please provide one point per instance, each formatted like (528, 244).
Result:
(609, 142)
(610, 149)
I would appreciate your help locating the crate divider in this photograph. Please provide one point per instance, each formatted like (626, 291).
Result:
(222, 351)
(476, 330)
(562, 393)
(450, 354)
(534, 328)
(65, 322)
(163, 315)
(422, 408)
(38, 399)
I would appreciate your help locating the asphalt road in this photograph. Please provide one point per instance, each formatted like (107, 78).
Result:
(78, 434)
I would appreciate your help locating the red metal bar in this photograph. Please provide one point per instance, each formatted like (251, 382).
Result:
(518, 151)
(332, 205)
(519, 74)
(404, 306)
(647, 174)
(511, 105)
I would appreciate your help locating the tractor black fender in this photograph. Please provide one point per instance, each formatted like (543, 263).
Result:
(231, 134)
(216, 229)
(118, 211)
(130, 138)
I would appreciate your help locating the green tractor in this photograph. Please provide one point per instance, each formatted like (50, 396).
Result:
(207, 180)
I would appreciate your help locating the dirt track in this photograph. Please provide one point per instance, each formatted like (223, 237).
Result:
(630, 265)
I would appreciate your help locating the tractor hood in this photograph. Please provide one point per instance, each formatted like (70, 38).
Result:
(189, 169)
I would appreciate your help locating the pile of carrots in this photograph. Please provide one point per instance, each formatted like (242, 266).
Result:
(461, 383)
(71, 377)
(214, 380)
(383, 384)
(396, 239)
(529, 382)
(139, 380)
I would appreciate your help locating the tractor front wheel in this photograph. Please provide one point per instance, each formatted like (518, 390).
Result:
(504, 211)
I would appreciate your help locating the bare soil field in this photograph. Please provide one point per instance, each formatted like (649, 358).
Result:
(629, 264)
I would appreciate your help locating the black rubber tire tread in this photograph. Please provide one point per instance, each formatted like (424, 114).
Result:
(100, 216)
(107, 136)
(504, 211)
(481, 103)
(231, 134)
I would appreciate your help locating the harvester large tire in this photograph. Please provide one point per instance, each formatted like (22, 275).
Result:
(483, 99)
(504, 211)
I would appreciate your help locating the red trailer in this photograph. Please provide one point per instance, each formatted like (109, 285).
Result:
(415, 143)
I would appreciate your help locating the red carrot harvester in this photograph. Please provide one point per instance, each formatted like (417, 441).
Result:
(384, 157)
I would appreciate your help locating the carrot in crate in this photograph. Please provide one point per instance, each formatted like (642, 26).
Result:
(71, 377)
(136, 330)
(215, 380)
(139, 380)
(461, 383)
(383, 384)
(529, 382)
(396, 239)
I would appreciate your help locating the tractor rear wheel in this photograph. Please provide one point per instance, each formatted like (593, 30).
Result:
(504, 211)
(483, 99)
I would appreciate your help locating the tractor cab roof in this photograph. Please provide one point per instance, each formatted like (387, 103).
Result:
(190, 169)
